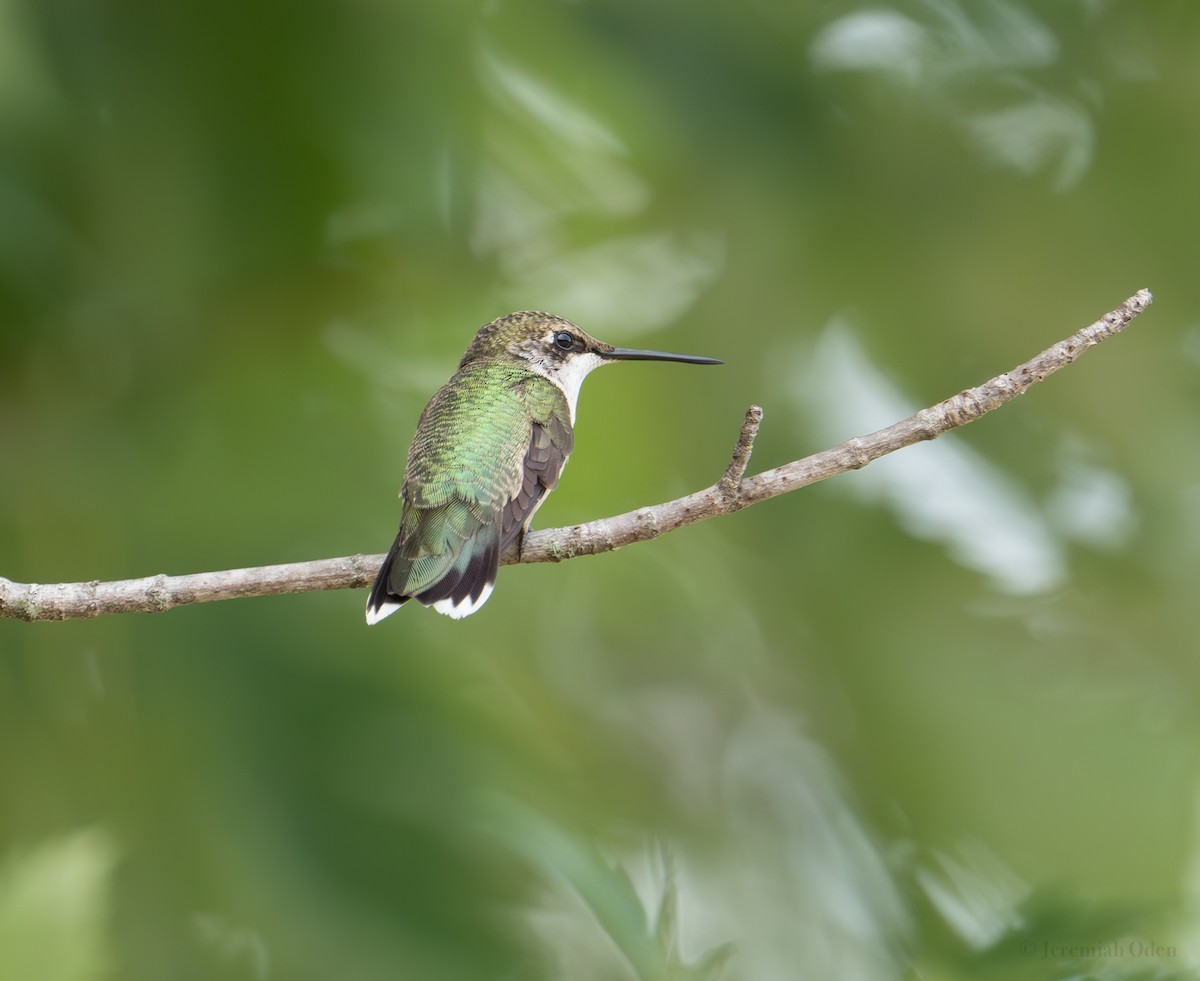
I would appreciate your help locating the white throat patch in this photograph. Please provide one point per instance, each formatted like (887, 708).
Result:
(569, 377)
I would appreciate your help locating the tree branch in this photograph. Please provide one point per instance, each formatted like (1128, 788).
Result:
(734, 491)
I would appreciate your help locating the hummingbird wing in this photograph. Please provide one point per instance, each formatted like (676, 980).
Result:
(467, 498)
(550, 443)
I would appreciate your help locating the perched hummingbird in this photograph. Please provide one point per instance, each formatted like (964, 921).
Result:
(490, 446)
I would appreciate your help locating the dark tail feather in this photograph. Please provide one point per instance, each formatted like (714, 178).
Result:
(382, 600)
(466, 583)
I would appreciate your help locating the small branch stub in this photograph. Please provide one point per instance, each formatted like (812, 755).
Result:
(734, 491)
(731, 483)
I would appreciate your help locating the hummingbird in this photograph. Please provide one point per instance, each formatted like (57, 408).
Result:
(489, 447)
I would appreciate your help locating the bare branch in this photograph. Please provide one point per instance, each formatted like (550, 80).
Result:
(153, 594)
(734, 491)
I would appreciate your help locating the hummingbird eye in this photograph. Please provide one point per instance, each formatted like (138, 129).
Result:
(564, 340)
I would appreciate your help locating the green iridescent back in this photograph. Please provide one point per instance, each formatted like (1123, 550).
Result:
(466, 466)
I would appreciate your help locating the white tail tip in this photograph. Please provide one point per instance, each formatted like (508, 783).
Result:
(374, 615)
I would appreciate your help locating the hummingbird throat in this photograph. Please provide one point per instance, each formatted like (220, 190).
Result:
(567, 375)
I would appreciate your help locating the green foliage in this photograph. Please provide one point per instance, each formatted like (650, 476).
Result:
(901, 724)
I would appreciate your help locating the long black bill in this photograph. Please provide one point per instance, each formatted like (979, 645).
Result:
(632, 354)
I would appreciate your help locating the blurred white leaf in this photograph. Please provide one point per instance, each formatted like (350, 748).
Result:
(943, 491)
(1039, 134)
(54, 909)
(871, 40)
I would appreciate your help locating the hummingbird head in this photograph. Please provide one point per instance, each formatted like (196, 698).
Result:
(556, 349)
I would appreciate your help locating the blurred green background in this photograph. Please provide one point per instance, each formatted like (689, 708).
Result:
(937, 719)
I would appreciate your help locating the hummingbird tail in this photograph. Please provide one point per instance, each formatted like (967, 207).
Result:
(469, 582)
(383, 602)
(462, 588)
